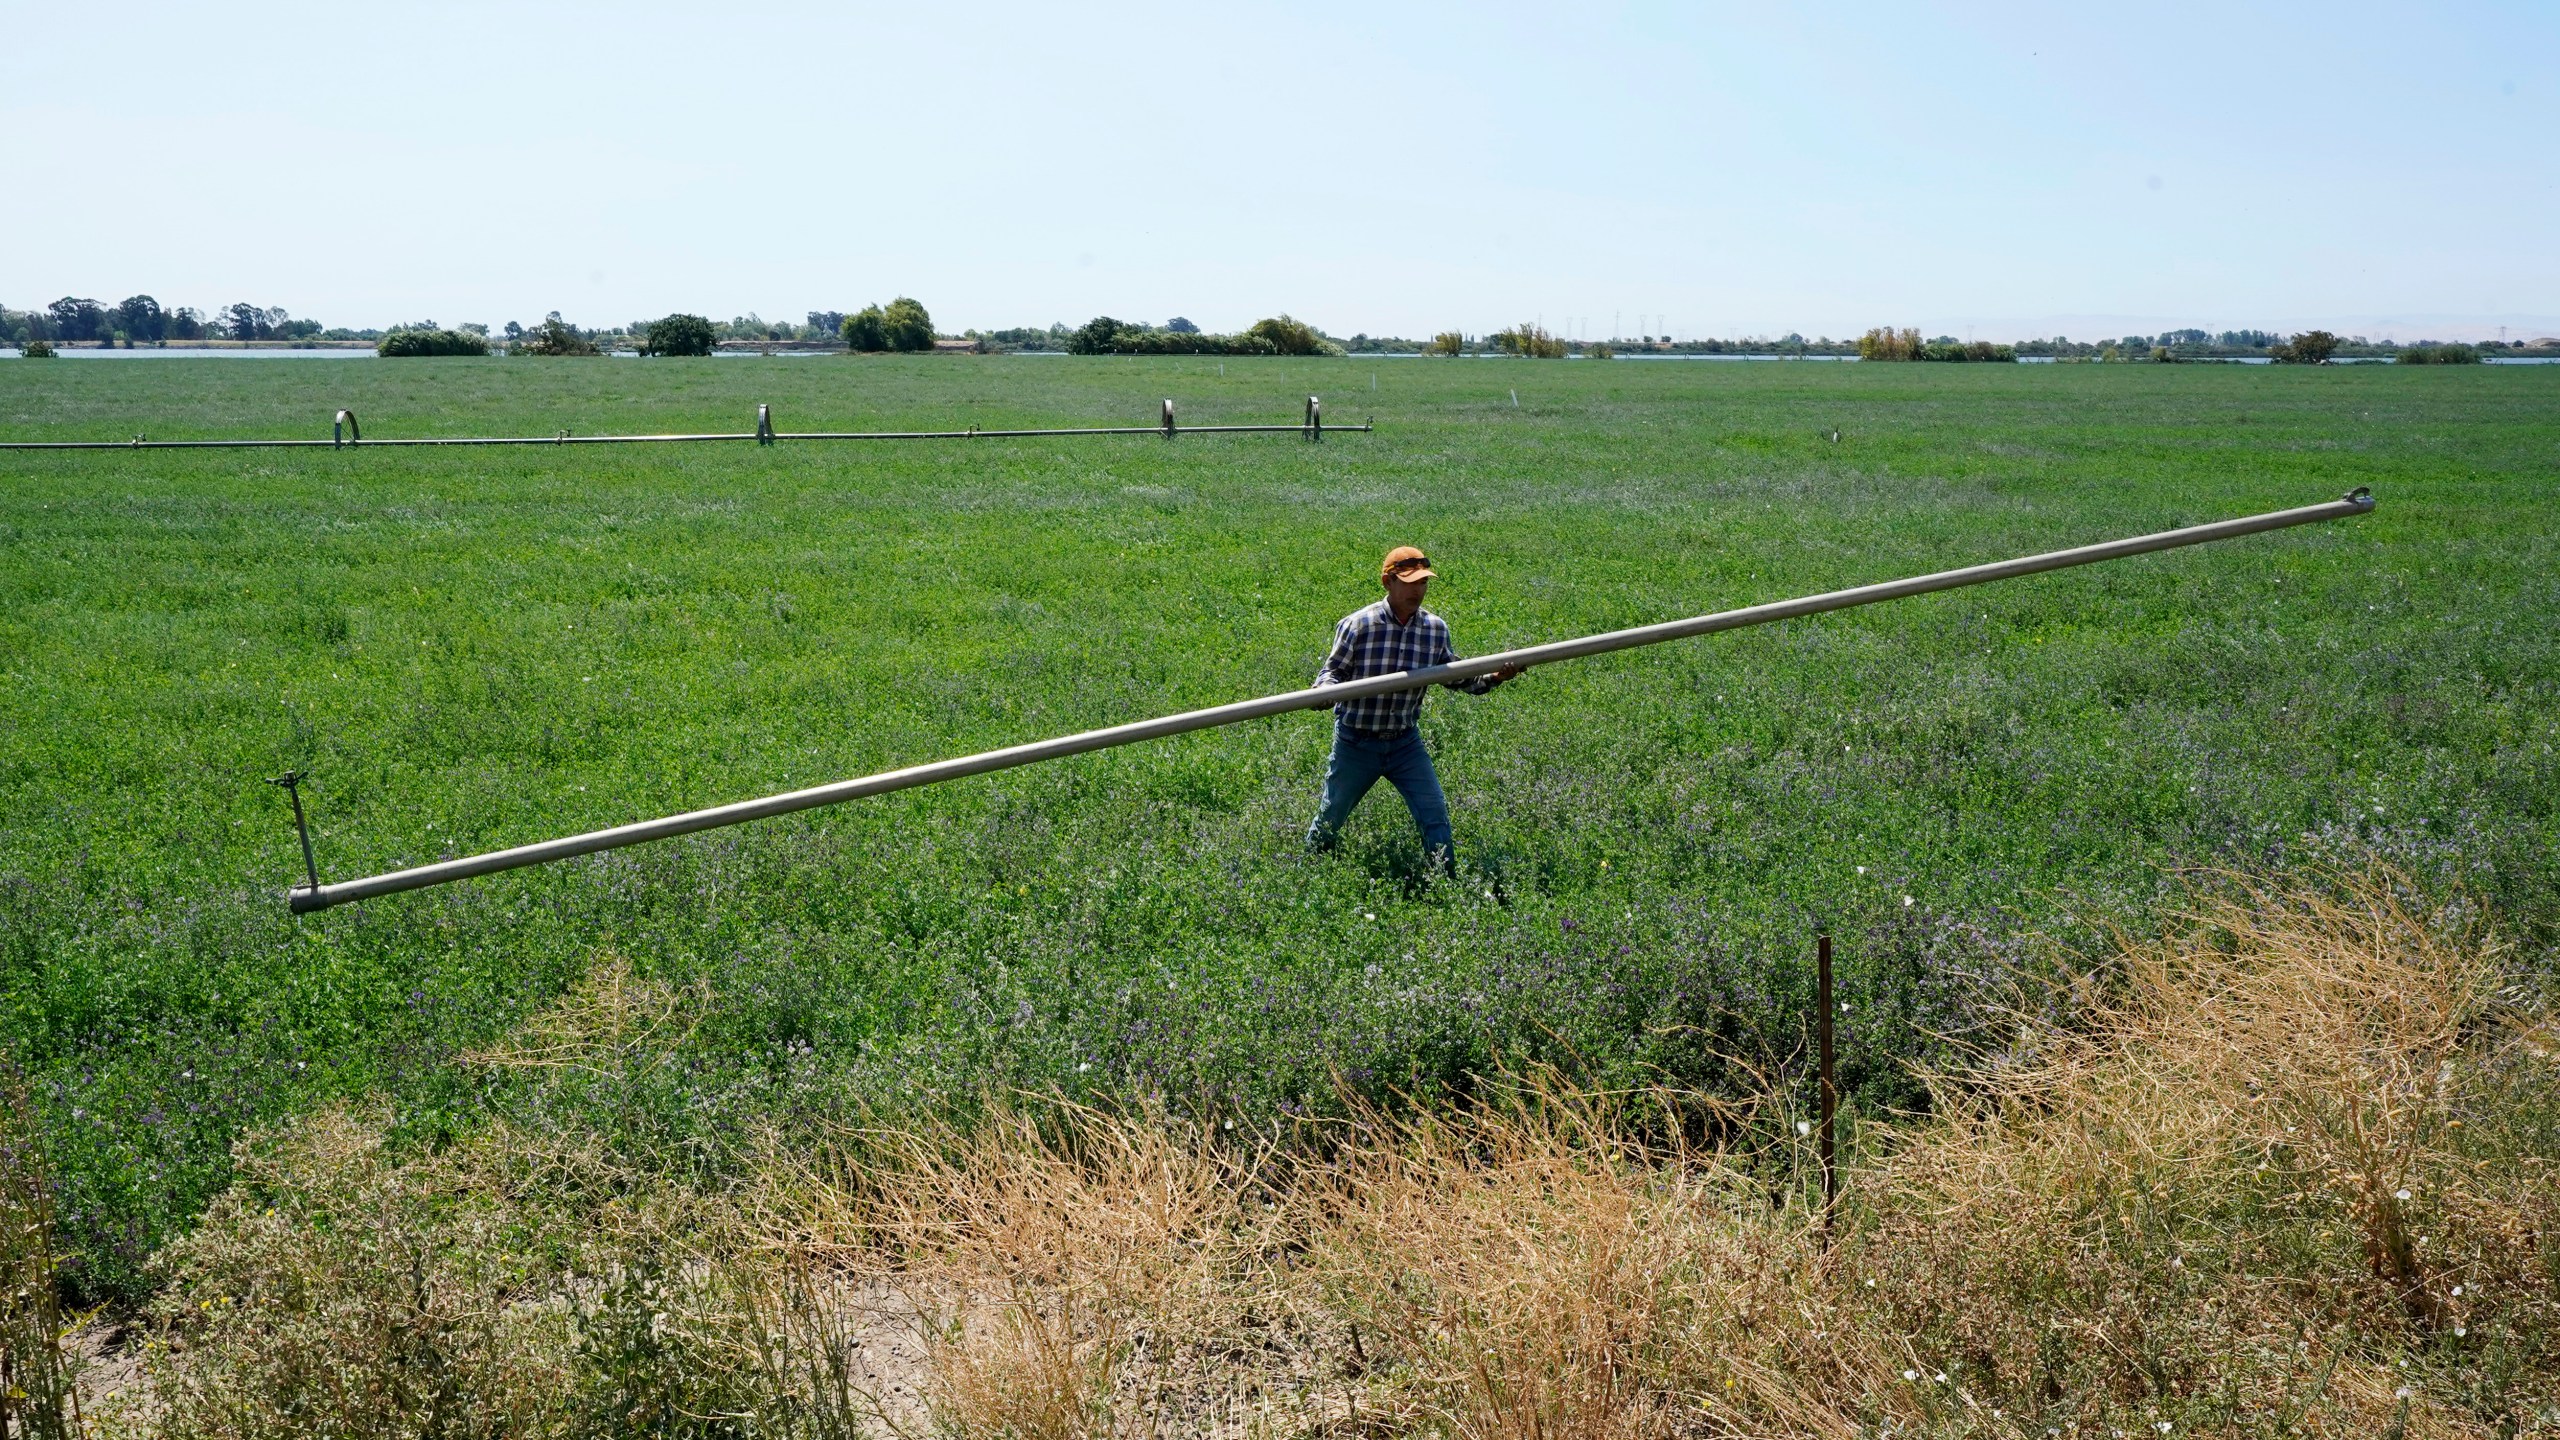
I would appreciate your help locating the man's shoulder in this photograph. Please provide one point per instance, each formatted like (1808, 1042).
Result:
(1366, 615)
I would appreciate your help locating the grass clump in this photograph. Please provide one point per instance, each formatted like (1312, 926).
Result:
(2285, 1172)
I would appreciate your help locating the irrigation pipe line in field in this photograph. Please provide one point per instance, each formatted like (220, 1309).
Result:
(317, 896)
(344, 434)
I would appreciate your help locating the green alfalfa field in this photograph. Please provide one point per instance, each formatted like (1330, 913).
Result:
(476, 648)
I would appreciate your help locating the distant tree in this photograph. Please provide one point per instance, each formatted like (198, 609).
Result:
(2428, 352)
(1886, 343)
(248, 322)
(1180, 326)
(556, 336)
(1529, 340)
(1293, 337)
(677, 334)
(515, 331)
(824, 325)
(142, 320)
(1094, 337)
(186, 323)
(867, 330)
(1447, 342)
(2311, 347)
(37, 348)
(76, 319)
(907, 326)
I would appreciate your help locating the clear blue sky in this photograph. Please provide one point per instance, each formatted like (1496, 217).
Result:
(1391, 168)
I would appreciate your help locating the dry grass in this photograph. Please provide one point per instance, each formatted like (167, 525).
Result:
(2286, 1173)
(1033, 1258)
(38, 1397)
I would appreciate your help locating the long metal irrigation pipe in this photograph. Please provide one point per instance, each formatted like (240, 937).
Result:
(321, 897)
(345, 435)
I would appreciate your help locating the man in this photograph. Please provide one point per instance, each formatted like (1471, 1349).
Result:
(1381, 735)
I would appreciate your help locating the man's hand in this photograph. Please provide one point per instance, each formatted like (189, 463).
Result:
(1505, 673)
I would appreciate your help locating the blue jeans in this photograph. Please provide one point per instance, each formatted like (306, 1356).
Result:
(1358, 762)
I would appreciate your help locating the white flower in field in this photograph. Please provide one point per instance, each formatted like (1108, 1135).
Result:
(1368, 915)
(1910, 1374)
(1805, 1127)
(1862, 869)
(2400, 1394)
(2459, 1332)
(1231, 1125)
(2402, 1194)
(1906, 902)
(2457, 1289)
(1083, 1065)
(1942, 1377)
(2164, 1427)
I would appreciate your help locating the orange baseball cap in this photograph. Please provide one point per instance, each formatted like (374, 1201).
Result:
(1406, 563)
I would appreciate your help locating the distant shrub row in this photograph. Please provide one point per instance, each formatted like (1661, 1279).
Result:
(1278, 335)
(412, 344)
(1887, 343)
(2439, 355)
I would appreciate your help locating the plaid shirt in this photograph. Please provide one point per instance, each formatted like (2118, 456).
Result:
(1369, 642)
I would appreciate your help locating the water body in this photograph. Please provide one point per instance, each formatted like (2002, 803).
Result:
(194, 353)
